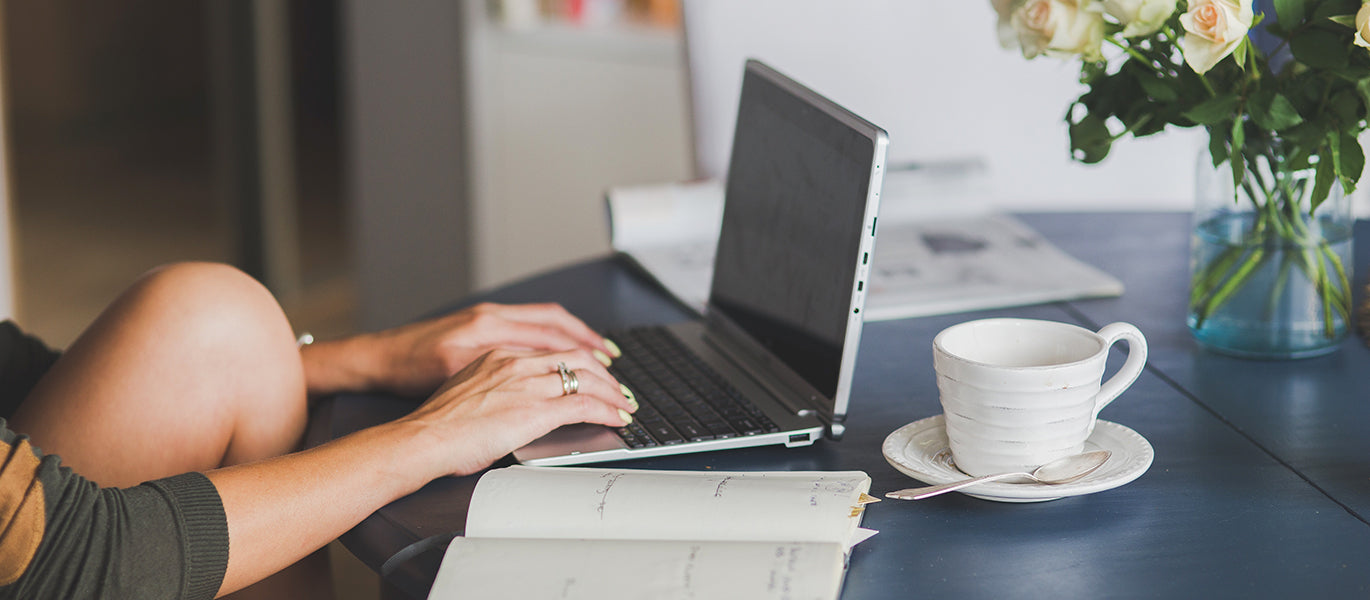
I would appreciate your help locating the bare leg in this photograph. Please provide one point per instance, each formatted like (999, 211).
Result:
(191, 369)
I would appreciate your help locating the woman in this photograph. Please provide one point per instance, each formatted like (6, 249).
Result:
(192, 380)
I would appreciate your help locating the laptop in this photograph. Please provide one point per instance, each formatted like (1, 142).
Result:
(770, 362)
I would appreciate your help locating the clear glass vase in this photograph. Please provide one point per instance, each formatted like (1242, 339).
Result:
(1268, 273)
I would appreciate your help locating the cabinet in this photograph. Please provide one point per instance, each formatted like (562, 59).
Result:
(558, 113)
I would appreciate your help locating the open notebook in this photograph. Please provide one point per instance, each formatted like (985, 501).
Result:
(620, 533)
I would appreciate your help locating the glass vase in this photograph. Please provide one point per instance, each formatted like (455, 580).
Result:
(1268, 270)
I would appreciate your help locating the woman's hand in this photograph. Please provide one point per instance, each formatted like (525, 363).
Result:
(281, 509)
(507, 398)
(415, 359)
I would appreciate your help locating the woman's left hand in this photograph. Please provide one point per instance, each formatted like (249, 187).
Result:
(415, 359)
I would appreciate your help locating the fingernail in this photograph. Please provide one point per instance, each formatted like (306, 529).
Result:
(602, 358)
(613, 348)
(627, 393)
(627, 418)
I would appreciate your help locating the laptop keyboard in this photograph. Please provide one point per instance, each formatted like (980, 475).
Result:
(680, 398)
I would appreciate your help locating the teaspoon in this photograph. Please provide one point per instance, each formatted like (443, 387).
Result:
(1061, 470)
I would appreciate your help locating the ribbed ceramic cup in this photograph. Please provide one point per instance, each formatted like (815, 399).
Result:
(1019, 393)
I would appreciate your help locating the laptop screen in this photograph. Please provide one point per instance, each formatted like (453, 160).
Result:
(792, 225)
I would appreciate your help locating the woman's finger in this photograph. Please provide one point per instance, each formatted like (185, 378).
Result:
(596, 403)
(533, 336)
(535, 363)
(589, 383)
(555, 315)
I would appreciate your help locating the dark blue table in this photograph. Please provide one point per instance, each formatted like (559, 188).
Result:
(1260, 486)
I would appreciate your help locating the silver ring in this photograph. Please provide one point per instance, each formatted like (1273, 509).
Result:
(570, 384)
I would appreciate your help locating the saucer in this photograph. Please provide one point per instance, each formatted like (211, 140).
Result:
(920, 450)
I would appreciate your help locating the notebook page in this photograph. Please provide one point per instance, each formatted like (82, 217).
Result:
(518, 569)
(532, 502)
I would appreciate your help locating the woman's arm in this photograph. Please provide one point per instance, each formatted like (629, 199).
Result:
(415, 359)
(281, 509)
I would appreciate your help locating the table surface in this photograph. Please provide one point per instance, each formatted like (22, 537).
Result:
(1260, 485)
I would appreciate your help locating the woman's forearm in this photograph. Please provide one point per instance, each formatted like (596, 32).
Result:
(282, 509)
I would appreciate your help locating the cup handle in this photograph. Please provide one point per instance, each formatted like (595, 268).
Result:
(1136, 359)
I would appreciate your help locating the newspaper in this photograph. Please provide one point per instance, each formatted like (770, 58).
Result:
(930, 257)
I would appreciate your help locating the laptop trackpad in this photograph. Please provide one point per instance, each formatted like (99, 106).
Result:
(571, 439)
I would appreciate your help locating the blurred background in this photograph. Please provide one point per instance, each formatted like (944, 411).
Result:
(147, 131)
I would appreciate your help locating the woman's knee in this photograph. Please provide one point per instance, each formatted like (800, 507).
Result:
(193, 367)
(236, 325)
(211, 300)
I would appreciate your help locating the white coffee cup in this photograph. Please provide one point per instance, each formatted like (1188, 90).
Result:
(1019, 393)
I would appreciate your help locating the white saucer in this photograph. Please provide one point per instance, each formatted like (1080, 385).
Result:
(920, 450)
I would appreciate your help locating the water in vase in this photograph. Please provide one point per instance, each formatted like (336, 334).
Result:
(1277, 310)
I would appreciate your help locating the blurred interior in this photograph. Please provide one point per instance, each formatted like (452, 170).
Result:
(113, 154)
(322, 146)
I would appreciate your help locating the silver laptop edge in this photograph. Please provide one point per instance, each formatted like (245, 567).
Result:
(800, 409)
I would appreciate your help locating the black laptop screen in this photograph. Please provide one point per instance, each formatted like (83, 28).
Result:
(794, 205)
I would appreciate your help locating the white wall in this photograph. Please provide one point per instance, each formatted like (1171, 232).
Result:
(932, 73)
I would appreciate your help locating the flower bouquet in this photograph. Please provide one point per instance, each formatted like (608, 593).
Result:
(1282, 89)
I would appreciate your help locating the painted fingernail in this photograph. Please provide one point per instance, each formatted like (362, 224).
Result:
(602, 358)
(627, 393)
(613, 348)
(627, 418)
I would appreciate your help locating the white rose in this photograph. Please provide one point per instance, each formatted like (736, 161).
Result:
(1213, 28)
(1363, 26)
(1059, 27)
(1140, 17)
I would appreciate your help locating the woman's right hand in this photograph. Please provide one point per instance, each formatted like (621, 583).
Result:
(507, 398)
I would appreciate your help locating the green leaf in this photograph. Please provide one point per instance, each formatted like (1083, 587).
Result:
(1289, 12)
(1239, 53)
(1345, 20)
(1238, 159)
(1322, 182)
(1351, 162)
(1213, 110)
(1217, 147)
(1273, 111)
(1334, 148)
(1090, 139)
(1158, 89)
(1327, 9)
(1320, 49)
(1363, 88)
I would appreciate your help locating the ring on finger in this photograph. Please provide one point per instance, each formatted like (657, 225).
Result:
(570, 383)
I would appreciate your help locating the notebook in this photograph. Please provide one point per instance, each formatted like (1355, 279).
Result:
(772, 357)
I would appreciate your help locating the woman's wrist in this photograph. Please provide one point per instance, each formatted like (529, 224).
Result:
(351, 364)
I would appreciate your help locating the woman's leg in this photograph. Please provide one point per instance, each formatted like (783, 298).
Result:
(193, 368)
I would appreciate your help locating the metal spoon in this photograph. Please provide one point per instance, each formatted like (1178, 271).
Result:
(1062, 470)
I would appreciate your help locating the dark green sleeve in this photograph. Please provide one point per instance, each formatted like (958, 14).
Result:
(23, 361)
(162, 539)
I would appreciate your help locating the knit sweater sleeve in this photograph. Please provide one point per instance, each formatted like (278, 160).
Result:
(23, 361)
(62, 536)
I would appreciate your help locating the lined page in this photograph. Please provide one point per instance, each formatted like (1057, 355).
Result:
(557, 502)
(519, 569)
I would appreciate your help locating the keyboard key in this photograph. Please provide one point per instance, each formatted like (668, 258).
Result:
(681, 398)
